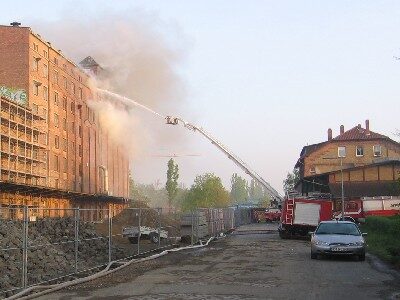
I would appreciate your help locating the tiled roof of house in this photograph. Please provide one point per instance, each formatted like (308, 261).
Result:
(359, 133)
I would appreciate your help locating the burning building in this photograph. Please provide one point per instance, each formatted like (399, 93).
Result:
(54, 152)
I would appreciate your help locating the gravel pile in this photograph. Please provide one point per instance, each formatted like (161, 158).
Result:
(51, 250)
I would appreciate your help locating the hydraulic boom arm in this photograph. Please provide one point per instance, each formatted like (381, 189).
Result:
(270, 190)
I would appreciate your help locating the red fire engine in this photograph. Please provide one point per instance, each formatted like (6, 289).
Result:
(302, 214)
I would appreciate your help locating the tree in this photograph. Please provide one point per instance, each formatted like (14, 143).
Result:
(291, 180)
(239, 189)
(256, 191)
(172, 181)
(207, 191)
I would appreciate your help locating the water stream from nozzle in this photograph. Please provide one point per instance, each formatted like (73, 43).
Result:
(129, 101)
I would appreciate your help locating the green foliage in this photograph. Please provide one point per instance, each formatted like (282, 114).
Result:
(239, 190)
(148, 194)
(291, 180)
(172, 181)
(207, 191)
(383, 237)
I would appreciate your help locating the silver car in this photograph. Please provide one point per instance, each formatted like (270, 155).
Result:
(337, 238)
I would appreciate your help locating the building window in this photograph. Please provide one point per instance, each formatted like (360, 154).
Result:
(45, 114)
(73, 88)
(56, 61)
(35, 108)
(35, 47)
(80, 131)
(36, 88)
(35, 138)
(65, 103)
(80, 93)
(65, 83)
(55, 98)
(73, 146)
(55, 120)
(73, 127)
(56, 185)
(377, 150)
(64, 124)
(55, 77)
(359, 151)
(57, 142)
(35, 154)
(45, 93)
(65, 144)
(65, 164)
(45, 54)
(45, 71)
(80, 150)
(56, 163)
(72, 108)
(312, 170)
(342, 151)
(35, 64)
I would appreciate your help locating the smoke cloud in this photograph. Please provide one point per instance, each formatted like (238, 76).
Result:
(141, 64)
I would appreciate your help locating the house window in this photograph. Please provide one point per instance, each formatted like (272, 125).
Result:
(57, 142)
(35, 108)
(342, 151)
(45, 93)
(36, 88)
(56, 163)
(359, 151)
(35, 64)
(377, 150)
(55, 98)
(55, 120)
(45, 71)
(55, 77)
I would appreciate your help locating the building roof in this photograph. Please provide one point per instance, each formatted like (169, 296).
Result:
(359, 133)
(88, 62)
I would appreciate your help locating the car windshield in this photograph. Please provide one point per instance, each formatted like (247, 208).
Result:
(338, 228)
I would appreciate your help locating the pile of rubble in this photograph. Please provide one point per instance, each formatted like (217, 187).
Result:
(51, 250)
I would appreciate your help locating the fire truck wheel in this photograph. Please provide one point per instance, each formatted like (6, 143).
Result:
(154, 237)
(313, 255)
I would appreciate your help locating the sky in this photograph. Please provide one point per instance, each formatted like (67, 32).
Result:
(264, 77)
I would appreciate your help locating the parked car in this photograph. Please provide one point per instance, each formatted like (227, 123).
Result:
(337, 238)
(152, 234)
(346, 218)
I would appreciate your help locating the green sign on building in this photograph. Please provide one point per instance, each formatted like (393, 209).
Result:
(18, 96)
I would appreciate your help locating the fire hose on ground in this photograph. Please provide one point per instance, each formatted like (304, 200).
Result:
(106, 271)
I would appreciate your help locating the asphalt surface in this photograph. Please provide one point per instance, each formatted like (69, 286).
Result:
(252, 263)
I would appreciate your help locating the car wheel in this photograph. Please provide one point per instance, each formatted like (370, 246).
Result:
(313, 255)
(361, 257)
(133, 240)
(154, 238)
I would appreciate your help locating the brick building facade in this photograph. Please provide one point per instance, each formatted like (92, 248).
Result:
(51, 141)
(370, 163)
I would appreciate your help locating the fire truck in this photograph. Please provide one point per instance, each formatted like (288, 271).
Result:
(360, 208)
(302, 214)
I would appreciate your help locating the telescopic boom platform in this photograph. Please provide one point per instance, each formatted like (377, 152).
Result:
(270, 190)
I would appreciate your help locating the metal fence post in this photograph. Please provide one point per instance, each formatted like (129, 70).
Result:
(139, 221)
(191, 240)
(25, 248)
(159, 226)
(109, 235)
(76, 238)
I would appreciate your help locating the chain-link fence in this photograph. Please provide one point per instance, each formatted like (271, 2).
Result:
(43, 245)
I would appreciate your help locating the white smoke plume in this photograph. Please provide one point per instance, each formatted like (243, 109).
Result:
(140, 63)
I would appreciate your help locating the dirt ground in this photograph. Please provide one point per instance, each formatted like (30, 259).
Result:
(252, 263)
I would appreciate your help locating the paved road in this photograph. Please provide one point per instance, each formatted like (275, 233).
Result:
(252, 263)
